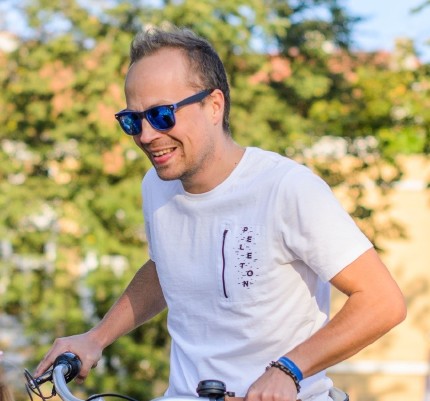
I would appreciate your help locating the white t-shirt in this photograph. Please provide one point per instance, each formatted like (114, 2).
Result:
(244, 268)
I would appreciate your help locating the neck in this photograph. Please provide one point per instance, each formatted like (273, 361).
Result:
(217, 170)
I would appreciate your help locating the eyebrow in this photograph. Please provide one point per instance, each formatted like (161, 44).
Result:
(162, 103)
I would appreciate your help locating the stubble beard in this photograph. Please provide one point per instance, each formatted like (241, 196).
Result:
(189, 170)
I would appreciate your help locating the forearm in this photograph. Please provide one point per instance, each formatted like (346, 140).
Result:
(371, 310)
(141, 300)
(356, 325)
(344, 336)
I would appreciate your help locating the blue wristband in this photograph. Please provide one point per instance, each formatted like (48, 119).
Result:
(289, 364)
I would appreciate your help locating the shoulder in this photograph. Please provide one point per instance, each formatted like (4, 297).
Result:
(260, 157)
(149, 178)
(283, 172)
(273, 165)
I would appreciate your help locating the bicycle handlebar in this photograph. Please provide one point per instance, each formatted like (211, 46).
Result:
(71, 364)
(67, 366)
(59, 375)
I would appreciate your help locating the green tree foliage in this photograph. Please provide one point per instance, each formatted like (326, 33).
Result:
(70, 180)
(70, 188)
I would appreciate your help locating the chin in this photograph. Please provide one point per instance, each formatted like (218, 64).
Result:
(166, 176)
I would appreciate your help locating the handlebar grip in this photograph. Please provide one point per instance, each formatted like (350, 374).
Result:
(71, 362)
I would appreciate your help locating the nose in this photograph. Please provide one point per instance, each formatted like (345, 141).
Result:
(148, 133)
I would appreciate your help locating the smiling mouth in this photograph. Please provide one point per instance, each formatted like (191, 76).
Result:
(162, 152)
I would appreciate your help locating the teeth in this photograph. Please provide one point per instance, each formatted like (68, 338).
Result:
(162, 152)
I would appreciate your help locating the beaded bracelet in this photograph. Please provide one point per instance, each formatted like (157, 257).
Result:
(278, 365)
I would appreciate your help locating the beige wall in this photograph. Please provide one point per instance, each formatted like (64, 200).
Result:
(395, 367)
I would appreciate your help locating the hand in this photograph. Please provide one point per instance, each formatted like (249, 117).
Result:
(83, 345)
(273, 385)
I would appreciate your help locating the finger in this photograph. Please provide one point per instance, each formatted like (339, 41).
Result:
(58, 347)
(83, 373)
(46, 362)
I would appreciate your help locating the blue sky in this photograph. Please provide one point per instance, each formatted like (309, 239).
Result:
(387, 20)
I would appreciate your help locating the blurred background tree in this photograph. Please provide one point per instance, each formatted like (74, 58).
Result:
(72, 230)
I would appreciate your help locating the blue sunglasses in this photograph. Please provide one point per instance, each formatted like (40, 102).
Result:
(161, 118)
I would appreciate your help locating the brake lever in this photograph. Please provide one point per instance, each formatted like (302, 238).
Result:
(35, 382)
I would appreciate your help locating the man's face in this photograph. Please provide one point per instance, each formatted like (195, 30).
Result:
(185, 151)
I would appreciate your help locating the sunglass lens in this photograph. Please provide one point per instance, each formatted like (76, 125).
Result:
(131, 123)
(161, 117)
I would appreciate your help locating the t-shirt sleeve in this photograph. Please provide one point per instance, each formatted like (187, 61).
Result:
(318, 230)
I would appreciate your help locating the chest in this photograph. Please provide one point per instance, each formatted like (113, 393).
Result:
(231, 253)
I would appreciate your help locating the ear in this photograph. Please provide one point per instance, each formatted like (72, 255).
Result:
(216, 101)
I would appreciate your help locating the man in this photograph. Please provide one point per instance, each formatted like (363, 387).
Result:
(243, 244)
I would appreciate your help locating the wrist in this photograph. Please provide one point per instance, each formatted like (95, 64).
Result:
(289, 364)
(99, 337)
(293, 377)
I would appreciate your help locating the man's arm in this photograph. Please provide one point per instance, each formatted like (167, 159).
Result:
(375, 304)
(142, 299)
